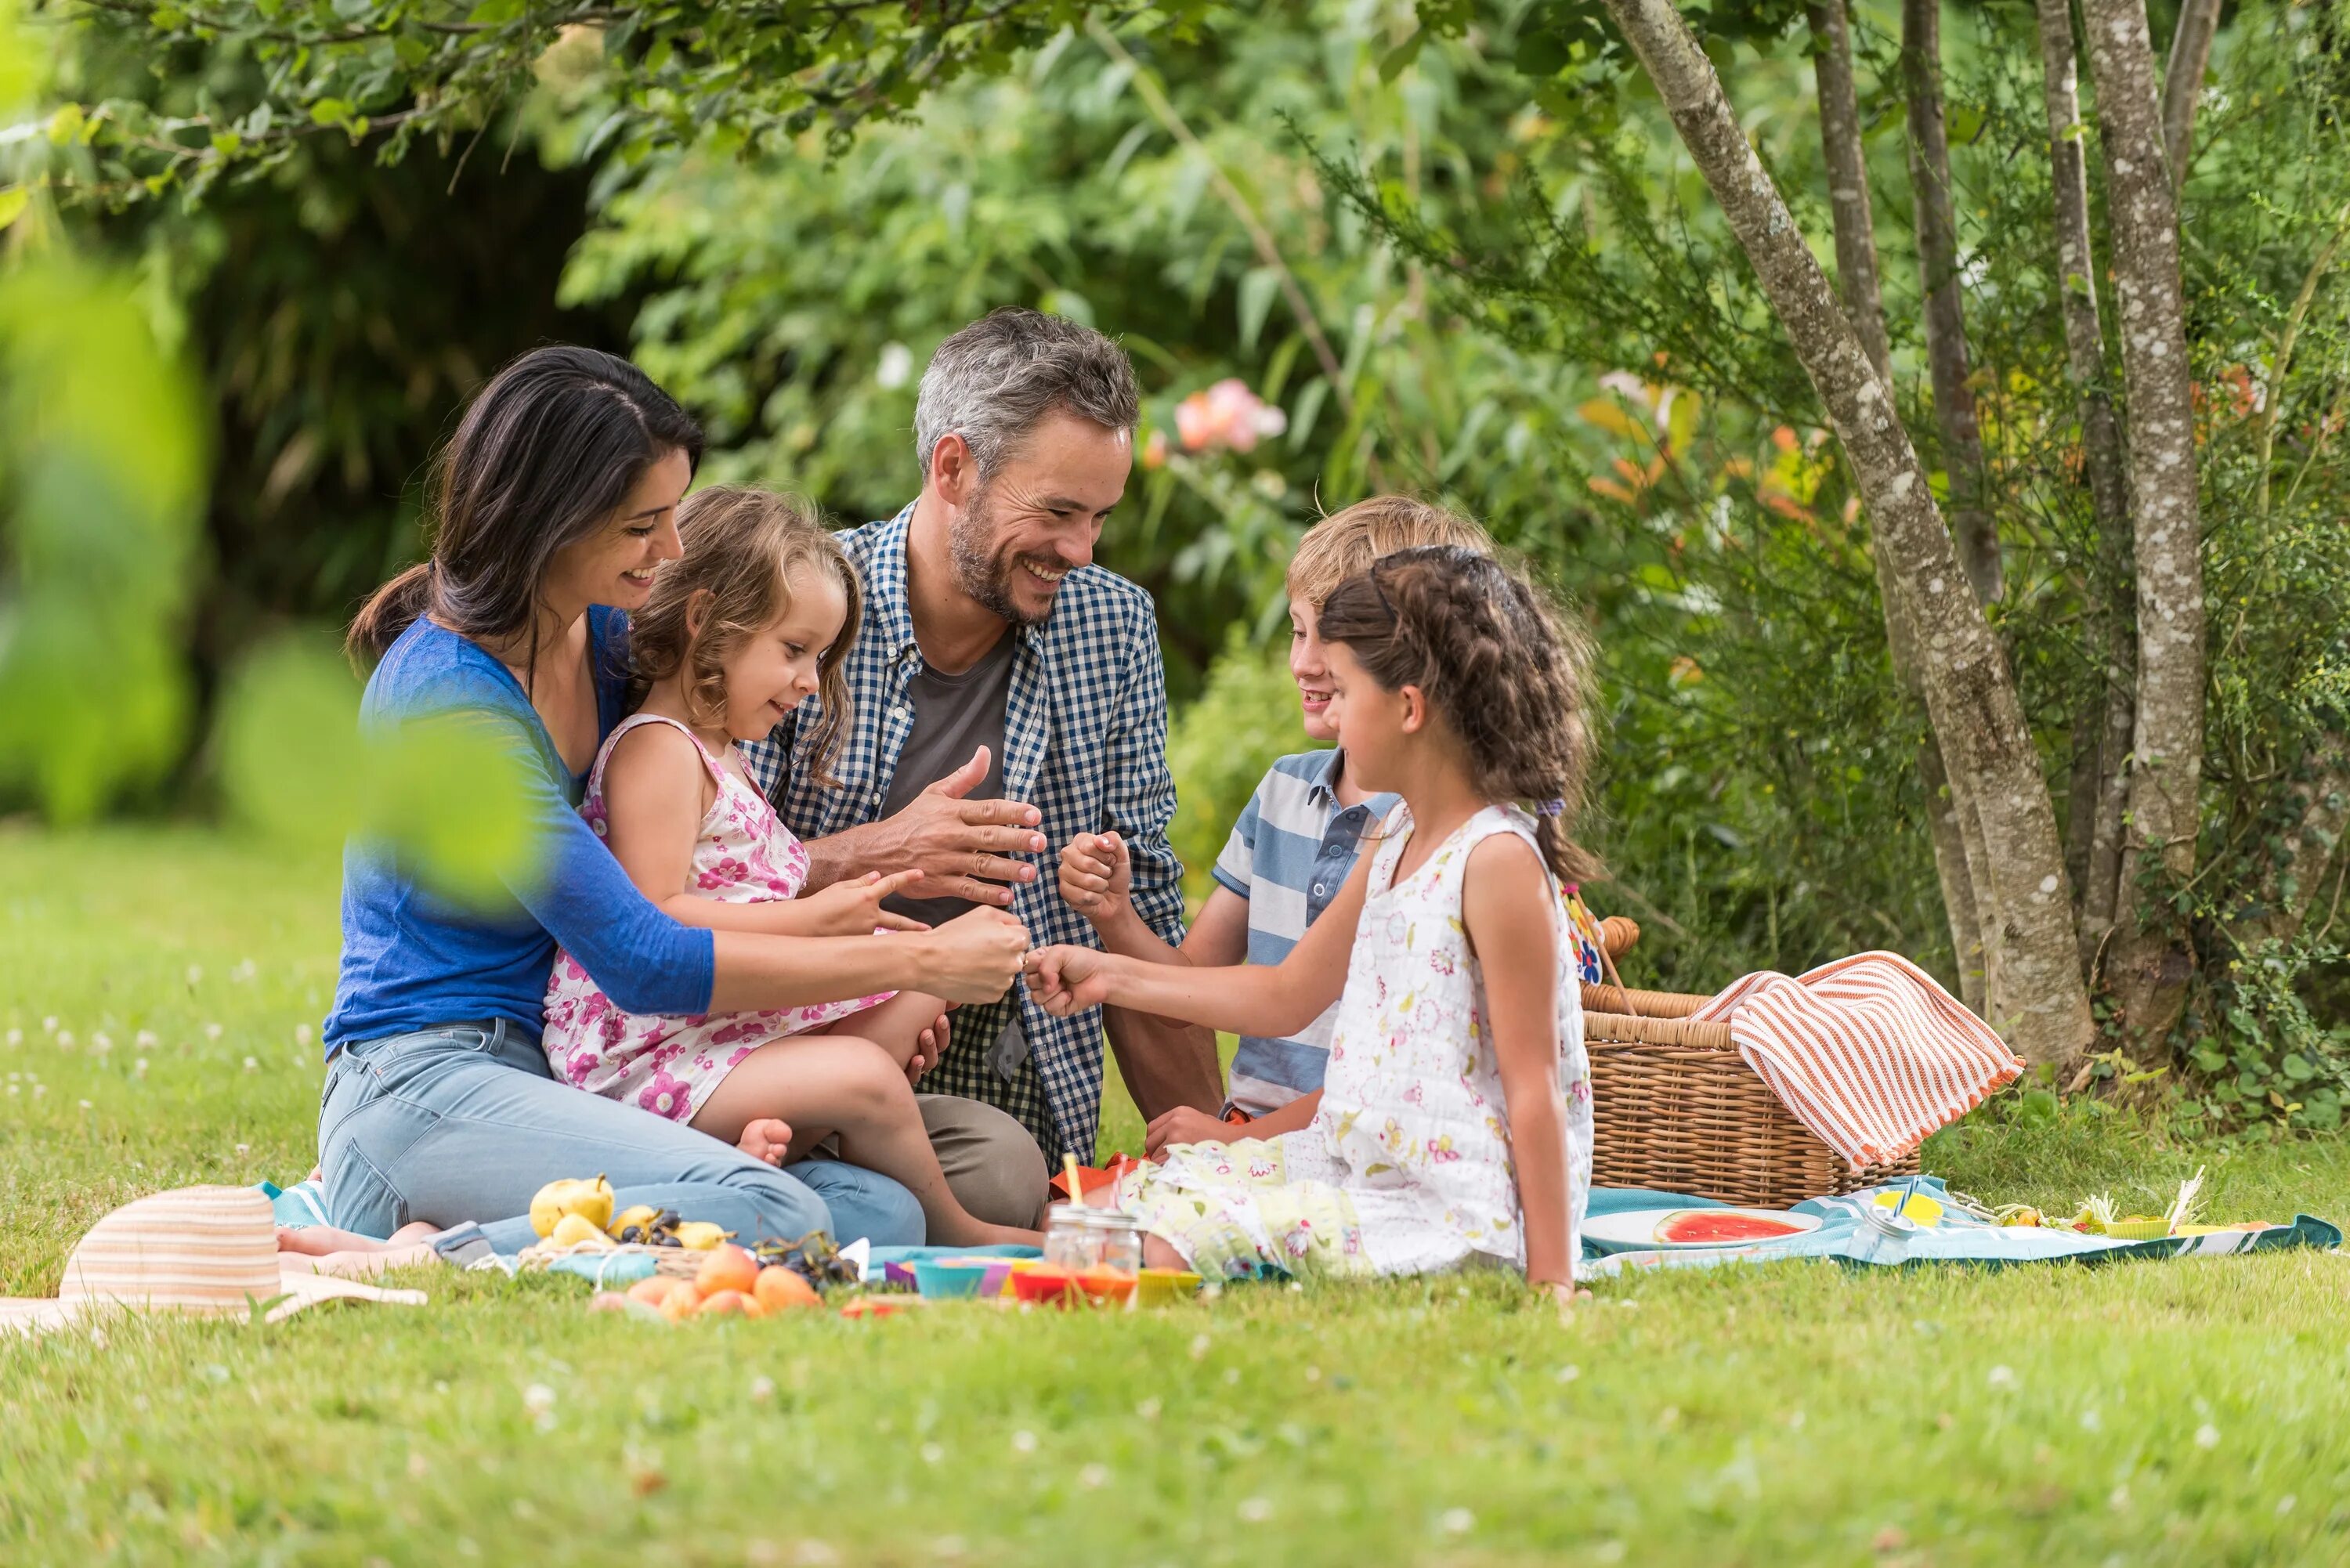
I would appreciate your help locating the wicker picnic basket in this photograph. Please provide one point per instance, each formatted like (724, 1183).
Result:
(1679, 1110)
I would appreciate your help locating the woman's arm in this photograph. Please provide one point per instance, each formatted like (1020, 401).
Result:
(1505, 903)
(657, 791)
(1239, 999)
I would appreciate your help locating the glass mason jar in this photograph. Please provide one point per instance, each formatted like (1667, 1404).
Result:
(1078, 1238)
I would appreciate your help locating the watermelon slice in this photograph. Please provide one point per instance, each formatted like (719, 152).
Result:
(1702, 1227)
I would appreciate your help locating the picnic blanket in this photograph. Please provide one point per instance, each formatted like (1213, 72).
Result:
(1867, 1052)
(1959, 1237)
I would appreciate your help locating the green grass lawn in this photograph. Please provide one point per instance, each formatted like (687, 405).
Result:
(2187, 1413)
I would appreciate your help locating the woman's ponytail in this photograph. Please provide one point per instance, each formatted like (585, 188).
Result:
(388, 611)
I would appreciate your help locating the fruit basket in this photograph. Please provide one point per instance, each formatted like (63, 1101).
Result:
(1677, 1109)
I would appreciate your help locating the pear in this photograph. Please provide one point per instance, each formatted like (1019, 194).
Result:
(699, 1235)
(592, 1200)
(573, 1230)
(642, 1214)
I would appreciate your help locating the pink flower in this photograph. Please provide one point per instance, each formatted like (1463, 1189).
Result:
(1227, 414)
(665, 1096)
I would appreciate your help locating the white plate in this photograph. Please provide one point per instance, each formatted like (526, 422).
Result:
(1637, 1227)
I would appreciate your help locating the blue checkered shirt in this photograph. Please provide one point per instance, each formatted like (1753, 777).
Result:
(1085, 742)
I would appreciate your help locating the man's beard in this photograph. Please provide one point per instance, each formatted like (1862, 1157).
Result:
(985, 577)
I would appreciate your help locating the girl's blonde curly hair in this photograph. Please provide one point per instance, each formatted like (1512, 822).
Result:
(743, 547)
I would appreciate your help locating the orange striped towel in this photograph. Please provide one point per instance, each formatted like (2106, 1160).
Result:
(1867, 1052)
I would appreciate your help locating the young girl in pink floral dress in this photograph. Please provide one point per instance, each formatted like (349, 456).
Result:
(1455, 1122)
(755, 618)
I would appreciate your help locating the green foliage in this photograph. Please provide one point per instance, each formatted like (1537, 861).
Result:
(747, 74)
(296, 762)
(103, 463)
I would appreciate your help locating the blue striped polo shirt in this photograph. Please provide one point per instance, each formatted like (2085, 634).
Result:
(1288, 856)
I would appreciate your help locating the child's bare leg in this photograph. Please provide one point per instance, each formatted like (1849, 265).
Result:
(843, 1084)
(318, 1241)
(894, 1025)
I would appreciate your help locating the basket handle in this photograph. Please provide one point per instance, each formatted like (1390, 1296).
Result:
(1607, 965)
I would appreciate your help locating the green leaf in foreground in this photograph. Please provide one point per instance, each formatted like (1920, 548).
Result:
(448, 795)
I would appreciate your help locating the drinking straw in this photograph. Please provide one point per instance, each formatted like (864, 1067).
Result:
(1076, 1190)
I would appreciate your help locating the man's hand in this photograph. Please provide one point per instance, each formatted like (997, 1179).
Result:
(974, 957)
(1066, 981)
(963, 847)
(1186, 1124)
(1096, 875)
(853, 909)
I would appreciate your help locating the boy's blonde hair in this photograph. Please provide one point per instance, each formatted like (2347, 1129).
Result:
(1346, 543)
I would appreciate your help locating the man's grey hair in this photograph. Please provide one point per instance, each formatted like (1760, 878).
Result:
(996, 380)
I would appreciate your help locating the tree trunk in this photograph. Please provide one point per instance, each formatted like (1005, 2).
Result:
(2150, 965)
(2037, 997)
(1864, 302)
(1946, 324)
(2102, 741)
(2182, 82)
(1847, 165)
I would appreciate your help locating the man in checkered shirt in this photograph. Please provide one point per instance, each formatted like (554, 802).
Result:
(1006, 695)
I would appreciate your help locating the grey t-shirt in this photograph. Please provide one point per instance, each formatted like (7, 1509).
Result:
(954, 715)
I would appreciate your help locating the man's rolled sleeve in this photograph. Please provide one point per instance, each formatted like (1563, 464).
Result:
(1140, 797)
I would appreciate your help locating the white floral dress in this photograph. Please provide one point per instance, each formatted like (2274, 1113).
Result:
(669, 1063)
(1407, 1167)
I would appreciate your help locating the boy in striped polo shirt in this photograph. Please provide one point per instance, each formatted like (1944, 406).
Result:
(1293, 847)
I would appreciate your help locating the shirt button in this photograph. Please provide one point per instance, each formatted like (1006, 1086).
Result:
(1317, 890)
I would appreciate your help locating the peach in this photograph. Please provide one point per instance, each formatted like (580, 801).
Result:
(683, 1300)
(653, 1290)
(728, 1268)
(780, 1289)
(724, 1303)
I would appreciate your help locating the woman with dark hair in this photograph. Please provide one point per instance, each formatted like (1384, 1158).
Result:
(551, 508)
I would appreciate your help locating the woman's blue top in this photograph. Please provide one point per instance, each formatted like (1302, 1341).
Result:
(414, 960)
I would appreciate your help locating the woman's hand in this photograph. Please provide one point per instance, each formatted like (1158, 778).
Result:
(1068, 980)
(1096, 875)
(853, 907)
(974, 957)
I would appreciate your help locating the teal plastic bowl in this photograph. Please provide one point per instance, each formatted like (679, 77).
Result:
(948, 1278)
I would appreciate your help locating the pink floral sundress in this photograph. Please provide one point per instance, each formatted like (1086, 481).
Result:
(668, 1063)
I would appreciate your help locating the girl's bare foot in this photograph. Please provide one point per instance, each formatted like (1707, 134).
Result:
(766, 1138)
(319, 1240)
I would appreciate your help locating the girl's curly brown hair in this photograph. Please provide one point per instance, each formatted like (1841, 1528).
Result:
(743, 547)
(1510, 674)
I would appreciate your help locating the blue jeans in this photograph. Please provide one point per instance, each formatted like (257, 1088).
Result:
(464, 1122)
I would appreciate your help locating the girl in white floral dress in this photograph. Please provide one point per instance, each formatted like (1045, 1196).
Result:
(755, 617)
(1455, 1124)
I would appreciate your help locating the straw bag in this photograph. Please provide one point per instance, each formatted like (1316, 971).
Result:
(1677, 1109)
